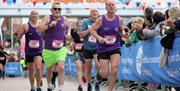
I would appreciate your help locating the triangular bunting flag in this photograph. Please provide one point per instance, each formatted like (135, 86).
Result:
(169, 4)
(138, 4)
(14, 1)
(4, 1)
(158, 3)
(34, 3)
(127, 3)
(44, 3)
(143, 7)
(9, 2)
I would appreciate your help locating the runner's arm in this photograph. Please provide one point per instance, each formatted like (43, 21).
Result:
(44, 24)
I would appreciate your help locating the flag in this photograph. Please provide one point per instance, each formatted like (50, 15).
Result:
(138, 4)
(169, 4)
(14, 1)
(34, 3)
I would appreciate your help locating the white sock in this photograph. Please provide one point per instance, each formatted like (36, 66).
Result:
(60, 87)
(49, 85)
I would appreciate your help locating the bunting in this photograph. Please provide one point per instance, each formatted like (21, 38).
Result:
(143, 7)
(169, 4)
(34, 2)
(9, 1)
(158, 3)
(127, 3)
(14, 1)
(138, 4)
(4, 1)
(44, 3)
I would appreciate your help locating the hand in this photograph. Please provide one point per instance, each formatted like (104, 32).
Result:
(53, 23)
(170, 23)
(81, 39)
(69, 37)
(16, 28)
(101, 40)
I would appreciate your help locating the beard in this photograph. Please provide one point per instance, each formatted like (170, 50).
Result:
(56, 15)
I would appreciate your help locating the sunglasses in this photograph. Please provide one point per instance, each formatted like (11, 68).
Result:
(59, 9)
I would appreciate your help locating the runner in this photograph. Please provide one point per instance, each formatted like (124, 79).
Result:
(109, 31)
(55, 28)
(79, 60)
(33, 48)
(3, 57)
(89, 49)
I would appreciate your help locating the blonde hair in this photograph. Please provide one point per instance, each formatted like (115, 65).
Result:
(174, 13)
(139, 20)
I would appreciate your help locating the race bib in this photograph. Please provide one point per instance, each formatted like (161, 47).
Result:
(92, 39)
(34, 43)
(79, 46)
(110, 39)
(57, 43)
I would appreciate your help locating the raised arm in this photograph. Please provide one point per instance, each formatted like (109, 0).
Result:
(121, 28)
(18, 34)
(44, 24)
(68, 27)
(95, 27)
(83, 30)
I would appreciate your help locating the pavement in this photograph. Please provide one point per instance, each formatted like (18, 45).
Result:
(22, 84)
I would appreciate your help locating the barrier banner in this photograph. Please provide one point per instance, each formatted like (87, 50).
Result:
(140, 62)
(13, 68)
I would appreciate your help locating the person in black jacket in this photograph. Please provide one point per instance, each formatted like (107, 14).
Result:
(3, 57)
(173, 24)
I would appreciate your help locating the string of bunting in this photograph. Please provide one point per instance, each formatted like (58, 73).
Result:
(126, 2)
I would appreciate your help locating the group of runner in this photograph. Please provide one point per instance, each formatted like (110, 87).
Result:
(48, 41)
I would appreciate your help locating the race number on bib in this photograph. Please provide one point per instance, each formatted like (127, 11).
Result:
(110, 39)
(57, 43)
(92, 39)
(79, 46)
(34, 43)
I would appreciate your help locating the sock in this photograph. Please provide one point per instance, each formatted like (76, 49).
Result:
(54, 75)
(3, 73)
(49, 85)
(60, 88)
(0, 73)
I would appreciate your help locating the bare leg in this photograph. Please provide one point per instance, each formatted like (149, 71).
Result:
(88, 69)
(79, 70)
(114, 61)
(61, 74)
(38, 65)
(31, 74)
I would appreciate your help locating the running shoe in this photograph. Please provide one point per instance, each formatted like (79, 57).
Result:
(97, 86)
(89, 87)
(32, 89)
(80, 88)
(49, 89)
(38, 89)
